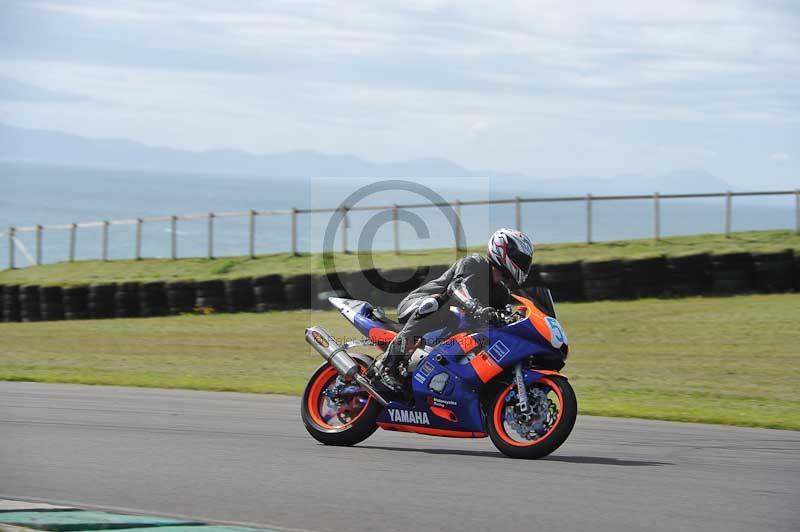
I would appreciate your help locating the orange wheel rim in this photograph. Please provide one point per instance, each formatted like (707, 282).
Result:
(500, 406)
(316, 400)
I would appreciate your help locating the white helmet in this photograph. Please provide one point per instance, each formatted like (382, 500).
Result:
(512, 253)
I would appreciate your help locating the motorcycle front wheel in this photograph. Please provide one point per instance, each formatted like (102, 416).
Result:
(551, 417)
(335, 419)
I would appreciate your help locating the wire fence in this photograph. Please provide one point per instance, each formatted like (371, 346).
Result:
(210, 220)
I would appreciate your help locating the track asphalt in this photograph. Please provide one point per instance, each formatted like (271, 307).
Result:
(246, 459)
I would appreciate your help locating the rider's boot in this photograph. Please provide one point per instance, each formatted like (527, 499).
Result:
(389, 372)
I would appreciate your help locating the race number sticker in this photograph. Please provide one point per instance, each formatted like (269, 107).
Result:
(557, 336)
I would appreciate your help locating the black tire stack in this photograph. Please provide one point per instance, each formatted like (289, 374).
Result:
(325, 286)
(51, 307)
(731, 273)
(645, 277)
(126, 300)
(152, 299)
(268, 293)
(11, 303)
(29, 303)
(602, 280)
(565, 281)
(210, 295)
(102, 302)
(239, 295)
(396, 284)
(688, 275)
(298, 290)
(76, 302)
(773, 272)
(180, 296)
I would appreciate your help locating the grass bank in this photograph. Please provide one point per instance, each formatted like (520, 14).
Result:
(712, 360)
(83, 272)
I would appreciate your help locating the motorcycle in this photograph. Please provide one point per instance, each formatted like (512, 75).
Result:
(469, 381)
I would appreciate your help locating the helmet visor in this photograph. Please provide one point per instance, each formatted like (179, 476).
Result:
(521, 260)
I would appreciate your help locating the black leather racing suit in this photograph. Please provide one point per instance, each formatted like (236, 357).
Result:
(467, 284)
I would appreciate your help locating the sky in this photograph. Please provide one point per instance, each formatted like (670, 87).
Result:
(548, 89)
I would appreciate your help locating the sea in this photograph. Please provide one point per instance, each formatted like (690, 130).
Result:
(32, 194)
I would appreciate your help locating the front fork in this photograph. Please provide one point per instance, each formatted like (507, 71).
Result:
(522, 392)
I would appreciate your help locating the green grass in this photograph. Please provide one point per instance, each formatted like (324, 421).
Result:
(230, 267)
(713, 360)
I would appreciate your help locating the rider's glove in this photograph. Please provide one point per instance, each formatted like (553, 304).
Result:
(488, 315)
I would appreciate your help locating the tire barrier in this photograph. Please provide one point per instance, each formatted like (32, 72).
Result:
(645, 278)
(602, 280)
(239, 295)
(101, 301)
(51, 307)
(29, 303)
(76, 302)
(180, 296)
(268, 293)
(688, 275)
(692, 275)
(210, 295)
(565, 281)
(126, 300)
(11, 303)
(152, 299)
(773, 272)
(731, 273)
(298, 290)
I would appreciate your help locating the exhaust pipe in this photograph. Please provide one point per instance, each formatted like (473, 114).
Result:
(336, 355)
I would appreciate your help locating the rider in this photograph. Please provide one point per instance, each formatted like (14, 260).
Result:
(474, 283)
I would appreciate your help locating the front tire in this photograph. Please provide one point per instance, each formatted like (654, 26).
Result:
(337, 423)
(550, 426)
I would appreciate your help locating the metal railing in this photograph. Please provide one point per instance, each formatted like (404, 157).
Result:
(293, 213)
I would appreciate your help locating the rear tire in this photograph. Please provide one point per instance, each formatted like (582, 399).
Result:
(351, 432)
(555, 435)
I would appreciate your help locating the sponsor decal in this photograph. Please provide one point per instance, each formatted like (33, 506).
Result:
(409, 416)
(435, 401)
(426, 368)
(319, 339)
(498, 350)
(420, 378)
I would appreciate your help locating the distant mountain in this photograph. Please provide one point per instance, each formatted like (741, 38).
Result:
(53, 147)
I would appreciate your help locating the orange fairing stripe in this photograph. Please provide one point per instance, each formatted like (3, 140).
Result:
(485, 367)
(467, 343)
(431, 432)
(444, 413)
(381, 336)
(536, 316)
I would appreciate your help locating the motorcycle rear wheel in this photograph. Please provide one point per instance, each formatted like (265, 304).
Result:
(563, 411)
(321, 420)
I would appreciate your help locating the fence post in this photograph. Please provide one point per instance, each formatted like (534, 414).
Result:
(728, 213)
(588, 218)
(138, 239)
(518, 213)
(345, 224)
(211, 235)
(657, 216)
(459, 244)
(797, 210)
(294, 231)
(73, 230)
(251, 244)
(38, 244)
(173, 237)
(11, 232)
(396, 230)
(104, 250)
